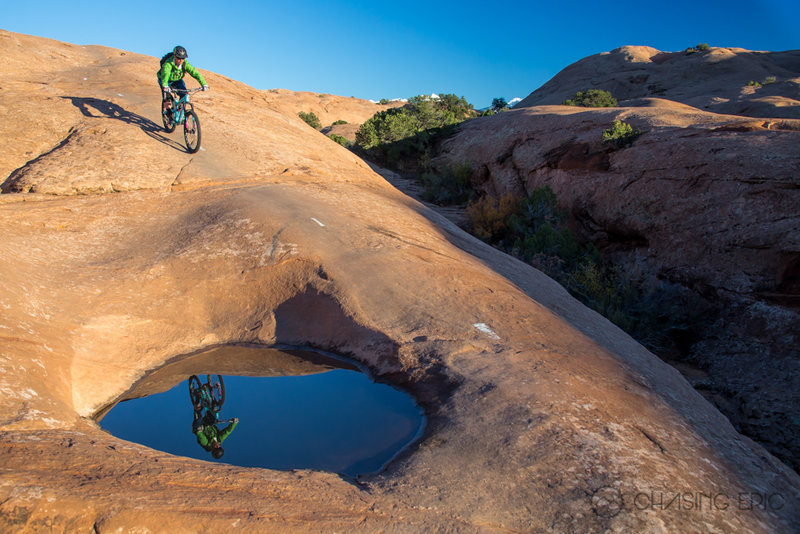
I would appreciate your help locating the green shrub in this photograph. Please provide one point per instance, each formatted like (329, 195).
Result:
(538, 228)
(385, 127)
(535, 231)
(341, 140)
(769, 80)
(593, 98)
(499, 104)
(383, 101)
(701, 47)
(753, 83)
(340, 121)
(403, 137)
(452, 186)
(621, 134)
(311, 119)
(549, 242)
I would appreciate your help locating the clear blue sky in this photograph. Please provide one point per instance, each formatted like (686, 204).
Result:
(375, 50)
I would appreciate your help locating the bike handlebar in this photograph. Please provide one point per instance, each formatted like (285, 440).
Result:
(182, 92)
(220, 422)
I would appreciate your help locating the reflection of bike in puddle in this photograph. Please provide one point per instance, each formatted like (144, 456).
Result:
(207, 400)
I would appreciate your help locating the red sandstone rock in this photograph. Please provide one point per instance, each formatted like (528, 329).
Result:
(705, 201)
(715, 80)
(542, 415)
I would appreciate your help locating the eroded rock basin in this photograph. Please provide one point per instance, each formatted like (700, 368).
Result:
(296, 409)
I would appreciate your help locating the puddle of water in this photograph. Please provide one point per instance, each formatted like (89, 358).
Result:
(317, 413)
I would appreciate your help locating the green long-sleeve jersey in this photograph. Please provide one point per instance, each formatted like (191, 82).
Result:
(170, 72)
(205, 436)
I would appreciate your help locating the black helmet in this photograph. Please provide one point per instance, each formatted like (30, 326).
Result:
(217, 453)
(179, 52)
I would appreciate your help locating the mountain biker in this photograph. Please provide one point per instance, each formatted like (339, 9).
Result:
(174, 66)
(210, 437)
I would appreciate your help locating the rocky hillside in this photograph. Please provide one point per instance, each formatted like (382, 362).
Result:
(703, 204)
(121, 252)
(729, 81)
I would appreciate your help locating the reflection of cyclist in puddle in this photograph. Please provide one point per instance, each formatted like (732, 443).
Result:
(209, 436)
(207, 400)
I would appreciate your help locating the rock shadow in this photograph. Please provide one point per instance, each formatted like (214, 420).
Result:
(316, 319)
(312, 318)
(109, 110)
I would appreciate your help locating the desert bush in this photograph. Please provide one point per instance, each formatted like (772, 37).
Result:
(489, 217)
(530, 227)
(341, 140)
(311, 119)
(769, 80)
(598, 290)
(700, 47)
(550, 242)
(403, 137)
(534, 229)
(753, 83)
(385, 127)
(621, 134)
(451, 186)
(340, 121)
(592, 98)
(538, 227)
(499, 104)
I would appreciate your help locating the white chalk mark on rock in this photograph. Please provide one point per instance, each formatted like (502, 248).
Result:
(483, 327)
(316, 221)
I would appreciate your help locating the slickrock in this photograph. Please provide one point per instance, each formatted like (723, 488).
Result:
(731, 81)
(542, 416)
(705, 202)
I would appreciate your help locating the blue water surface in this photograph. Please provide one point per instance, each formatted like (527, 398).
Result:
(336, 421)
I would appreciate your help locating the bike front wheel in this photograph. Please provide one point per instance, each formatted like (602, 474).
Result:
(191, 132)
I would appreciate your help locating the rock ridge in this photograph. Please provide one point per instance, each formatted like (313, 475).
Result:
(704, 201)
(731, 81)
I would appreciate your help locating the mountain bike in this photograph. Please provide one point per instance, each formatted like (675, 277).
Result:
(181, 111)
(209, 395)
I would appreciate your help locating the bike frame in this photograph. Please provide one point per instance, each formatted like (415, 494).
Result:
(207, 395)
(180, 104)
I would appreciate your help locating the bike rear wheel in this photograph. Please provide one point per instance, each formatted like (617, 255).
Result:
(191, 132)
(168, 118)
(217, 388)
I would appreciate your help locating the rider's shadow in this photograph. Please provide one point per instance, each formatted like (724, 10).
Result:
(98, 108)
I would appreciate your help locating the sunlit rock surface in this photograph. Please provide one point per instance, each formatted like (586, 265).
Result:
(731, 81)
(542, 415)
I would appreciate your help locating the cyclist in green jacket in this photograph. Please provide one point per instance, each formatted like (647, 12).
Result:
(174, 66)
(210, 437)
